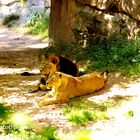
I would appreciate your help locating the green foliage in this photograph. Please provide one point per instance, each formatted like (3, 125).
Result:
(8, 20)
(39, 25)
(34, 19)
(23, 1)
(4, 111)
(10, 131)
(49, 132)
(29, 134)
(79, 135)
(78, 117)
(81, 117)
(80, 111)
(133, 70)
(130, 113)
(114, 54)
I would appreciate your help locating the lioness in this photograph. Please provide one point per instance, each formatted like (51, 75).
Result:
(65, 86)
(51, 63)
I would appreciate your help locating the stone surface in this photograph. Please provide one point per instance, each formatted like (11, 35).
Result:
(94, 20)
(80, 20)
(24, 10)
(6, 2)
(130, 7)
(100, 4)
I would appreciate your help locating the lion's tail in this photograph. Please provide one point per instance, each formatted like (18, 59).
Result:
(105, 75)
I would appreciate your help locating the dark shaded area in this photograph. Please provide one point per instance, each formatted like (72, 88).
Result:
(114, 54)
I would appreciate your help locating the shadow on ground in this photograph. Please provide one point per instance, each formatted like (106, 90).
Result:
(18, 53)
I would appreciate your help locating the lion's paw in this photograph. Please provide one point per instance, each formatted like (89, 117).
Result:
(42, 103)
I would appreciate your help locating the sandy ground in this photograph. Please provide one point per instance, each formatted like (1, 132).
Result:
(19, 53)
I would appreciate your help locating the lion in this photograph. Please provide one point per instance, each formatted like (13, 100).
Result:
(51, 63)
(65, 86)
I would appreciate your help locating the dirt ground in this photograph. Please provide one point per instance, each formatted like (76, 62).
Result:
(19, 53)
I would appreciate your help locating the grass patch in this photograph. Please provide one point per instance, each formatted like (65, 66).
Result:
(81, 117)
(47, 133)
(79, 135)
(81, 112)
(130, 113)
(9, 20)
(18, 129)
(115, 54)
(38, 25)
(5, 112)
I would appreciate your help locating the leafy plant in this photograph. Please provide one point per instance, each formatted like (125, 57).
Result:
(9, 130)
(80, 112)
(81, 117)
(4, 111)
(39, 25)
(114, 54)
(130, 113)
(48, 132)
(8, 20)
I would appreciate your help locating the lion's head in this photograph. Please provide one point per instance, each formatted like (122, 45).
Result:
(54, 80)
(48, 64)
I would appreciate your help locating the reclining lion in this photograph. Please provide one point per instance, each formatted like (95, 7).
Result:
(51, 63)
(65, 86)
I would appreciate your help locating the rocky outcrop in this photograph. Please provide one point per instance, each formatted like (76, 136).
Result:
(82, 20)
(129, 7)
(24, 8)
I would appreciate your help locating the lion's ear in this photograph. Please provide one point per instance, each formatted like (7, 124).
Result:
(47, 56)
(54, 60)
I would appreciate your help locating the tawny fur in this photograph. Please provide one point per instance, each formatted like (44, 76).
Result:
(66, 86)
(51, 63)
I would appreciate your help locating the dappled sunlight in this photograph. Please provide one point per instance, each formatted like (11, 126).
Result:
(12, 89)
(30, 83)
(122, 125)
(119, 99)
(17, 100)
(118, 88)
(52, 115)
(123, 112)
(40, 116)
(7, 70)
(17, 41)
(21, 99)
(125, 117)
(2, 35)
(38, 45)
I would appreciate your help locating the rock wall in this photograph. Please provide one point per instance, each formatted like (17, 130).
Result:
(82, 20)
(24, 8)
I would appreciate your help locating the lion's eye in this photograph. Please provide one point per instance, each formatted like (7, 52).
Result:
(52, 79)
